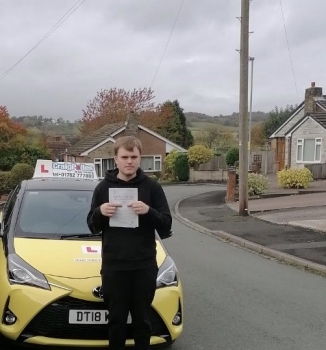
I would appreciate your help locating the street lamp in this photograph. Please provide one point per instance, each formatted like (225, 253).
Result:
(251, 59)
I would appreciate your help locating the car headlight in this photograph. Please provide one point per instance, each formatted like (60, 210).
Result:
(20, 272)
(167, 274)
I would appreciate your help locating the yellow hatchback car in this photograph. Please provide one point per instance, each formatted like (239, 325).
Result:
(50, 284)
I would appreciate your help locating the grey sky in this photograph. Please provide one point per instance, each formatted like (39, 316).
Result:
(107, 43)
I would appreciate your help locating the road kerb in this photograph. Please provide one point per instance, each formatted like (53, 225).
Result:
(276, 254)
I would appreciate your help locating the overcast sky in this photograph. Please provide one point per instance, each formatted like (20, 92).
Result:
(107, 43)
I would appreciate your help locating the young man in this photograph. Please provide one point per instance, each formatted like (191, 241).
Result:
(129, 267)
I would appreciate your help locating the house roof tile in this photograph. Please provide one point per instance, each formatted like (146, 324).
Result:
(320, 118)
(94, 138)
(322, 103)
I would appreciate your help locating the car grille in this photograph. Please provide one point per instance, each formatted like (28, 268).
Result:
(53, 322)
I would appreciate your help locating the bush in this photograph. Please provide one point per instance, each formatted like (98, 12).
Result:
(4, 181)
(199, 154)
(232, 156)
(181, 169)
(294, 178)
(169, 165)
(257, 184)
(158, 174)
(20, 172)
(153, 177)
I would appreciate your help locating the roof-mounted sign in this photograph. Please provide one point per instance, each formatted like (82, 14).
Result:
(66, 170)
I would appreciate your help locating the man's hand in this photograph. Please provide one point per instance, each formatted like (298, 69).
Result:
(139, 208)
(108, 209)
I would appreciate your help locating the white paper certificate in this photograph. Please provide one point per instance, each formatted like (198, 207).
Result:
(124, 216)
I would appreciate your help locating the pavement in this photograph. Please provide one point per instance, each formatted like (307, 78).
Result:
(288, 225)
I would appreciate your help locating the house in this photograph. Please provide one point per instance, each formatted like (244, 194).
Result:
(97, 147)
(301, 139)
(58, 145)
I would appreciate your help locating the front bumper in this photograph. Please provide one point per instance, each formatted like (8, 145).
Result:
(42, 316)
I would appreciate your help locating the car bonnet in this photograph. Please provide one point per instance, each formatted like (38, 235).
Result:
(67, 258)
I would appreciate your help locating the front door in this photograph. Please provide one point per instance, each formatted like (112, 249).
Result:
(281, 153)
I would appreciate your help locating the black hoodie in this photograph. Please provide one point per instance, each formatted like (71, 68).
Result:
(130, 248)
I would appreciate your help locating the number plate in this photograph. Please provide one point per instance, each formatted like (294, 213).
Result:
(90, 317)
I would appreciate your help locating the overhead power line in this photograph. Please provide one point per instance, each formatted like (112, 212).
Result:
(56, 26)
(288, 45)
(167, 43)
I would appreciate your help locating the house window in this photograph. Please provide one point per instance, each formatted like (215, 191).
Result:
(151, 163)
(102, 165)
(98, 166)
(308, 150)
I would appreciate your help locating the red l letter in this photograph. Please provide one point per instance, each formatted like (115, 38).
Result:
(43, 170)
(90, 250)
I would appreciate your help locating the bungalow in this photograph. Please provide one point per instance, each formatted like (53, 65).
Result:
(301, 139)
(97, 147)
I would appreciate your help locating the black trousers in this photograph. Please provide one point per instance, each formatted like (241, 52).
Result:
(129, 291)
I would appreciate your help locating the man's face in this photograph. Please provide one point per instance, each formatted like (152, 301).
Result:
(127, 162)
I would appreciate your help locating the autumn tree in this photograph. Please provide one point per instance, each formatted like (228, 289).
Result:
(9, 131)
(156, 119)
(175, 128)
(113, 105)
(16, 146)
(8, 128)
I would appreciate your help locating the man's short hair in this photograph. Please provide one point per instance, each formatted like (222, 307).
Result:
(127, 142)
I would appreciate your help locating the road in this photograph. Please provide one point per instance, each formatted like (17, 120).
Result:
(235, 299)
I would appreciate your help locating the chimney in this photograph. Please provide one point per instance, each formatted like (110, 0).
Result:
(132, 124)
(311, 93)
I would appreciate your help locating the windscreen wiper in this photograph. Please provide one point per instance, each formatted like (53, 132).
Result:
(88, 235)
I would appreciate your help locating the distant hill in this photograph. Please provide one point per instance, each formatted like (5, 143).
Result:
(225, 120)
(70, 130)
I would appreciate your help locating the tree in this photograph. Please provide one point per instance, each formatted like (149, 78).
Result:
(112, 106)
(181, 169)
(216, 136)
(199, 154)
(9, 132)
(8, 128)
(258, 138)
(17, 145)
(155, 120)
(276, 118)
(232, 156)
(175, 128)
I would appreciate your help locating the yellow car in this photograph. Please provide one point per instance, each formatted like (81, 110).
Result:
(50, 284)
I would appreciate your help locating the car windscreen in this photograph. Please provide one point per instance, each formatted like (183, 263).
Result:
(53, 214)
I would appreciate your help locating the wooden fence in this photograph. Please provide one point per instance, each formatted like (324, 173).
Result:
(216, 163)
(266, 159)
(318, 170)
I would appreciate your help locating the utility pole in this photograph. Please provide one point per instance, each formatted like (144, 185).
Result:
(243, 109)
(251, 59)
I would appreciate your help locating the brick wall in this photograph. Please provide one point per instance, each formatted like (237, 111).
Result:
(208, 175)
